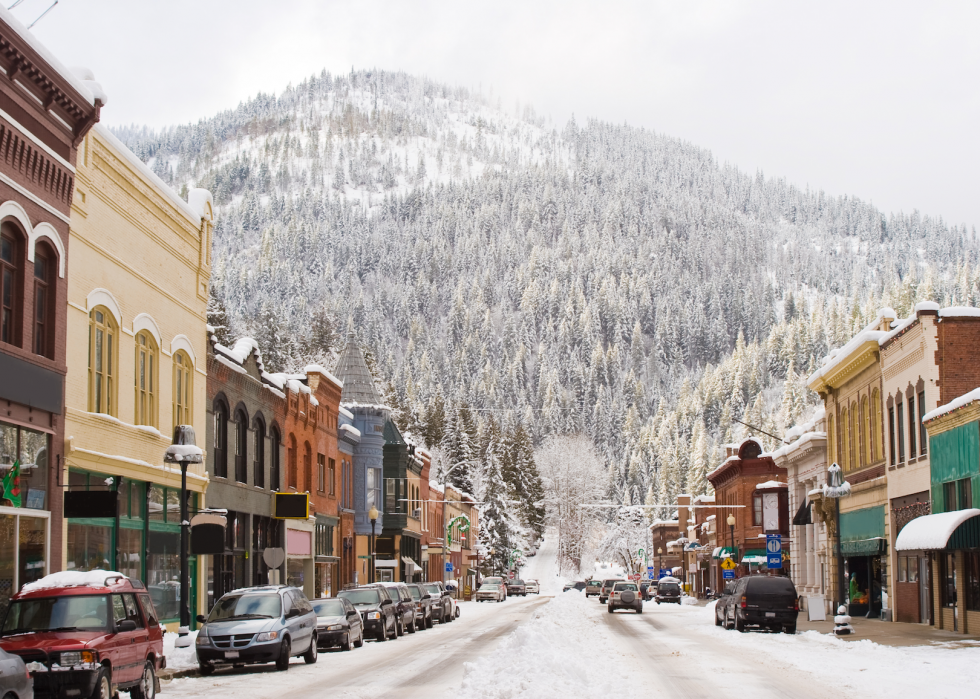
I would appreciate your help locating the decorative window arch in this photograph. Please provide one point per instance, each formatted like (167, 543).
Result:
(103, 332)
(877, 449)
(181, 342)
(145, 384)
(241, 445)
(220, 438)
(12, 241)
(104, 298)
(183, 386)
(144, 322)
(12, 210)
(852, 426)
(865, 432)
(258, 461)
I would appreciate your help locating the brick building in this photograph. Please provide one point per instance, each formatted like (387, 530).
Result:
(741, 482)
(244, 457)
(662, 532)
(45, 111)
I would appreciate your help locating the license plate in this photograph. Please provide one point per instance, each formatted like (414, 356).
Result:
(770, 613)
(229, 654)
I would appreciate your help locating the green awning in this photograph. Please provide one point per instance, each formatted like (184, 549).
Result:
(724, 552)
(756, 552)
(864, 547)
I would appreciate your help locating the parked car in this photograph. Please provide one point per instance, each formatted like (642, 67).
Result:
(607, 588)
(765, 602)
(516, 587)
(405, 606)
(668, 591)
(424, 611)
(15, 680)
(491, 591)
(625, 595)
(578, 585)
(376, 608)
(264, 624)
(85, 634)
(532, 587)
(593, 587)
(445, 607)
(724, 600)
(337, 623)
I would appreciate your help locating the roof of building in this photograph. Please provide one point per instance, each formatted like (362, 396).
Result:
(353, 372)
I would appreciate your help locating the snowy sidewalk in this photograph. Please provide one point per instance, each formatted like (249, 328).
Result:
(895, 634)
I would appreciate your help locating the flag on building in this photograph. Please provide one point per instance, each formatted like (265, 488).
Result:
(11, 485)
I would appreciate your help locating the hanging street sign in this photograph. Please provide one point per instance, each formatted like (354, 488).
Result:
(728, 574)
(774, 551)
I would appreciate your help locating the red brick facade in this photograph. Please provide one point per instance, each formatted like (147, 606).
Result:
(959, 370)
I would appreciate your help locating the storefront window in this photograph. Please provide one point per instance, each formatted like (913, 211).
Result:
(89, 547)
(947, 580)
(130, 553)
(8, 525)
(31, 555)
(972, 564)
(29, 450)
(294, 572)
(163, 572)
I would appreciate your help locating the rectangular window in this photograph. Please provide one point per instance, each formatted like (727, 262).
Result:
(900, 434)
(947, 580)
(903, 564)
(891, 435)
(949, 496)
(756, 510)
(42, 305)
(913, 569)
(972, 563)
(912, 431)
(964, 491)
(923, 437)
(321, 475)
(391, 495)
(372, 489)
(9, 264)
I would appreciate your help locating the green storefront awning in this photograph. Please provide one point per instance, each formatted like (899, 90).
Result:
(864, 547)
(724, 552)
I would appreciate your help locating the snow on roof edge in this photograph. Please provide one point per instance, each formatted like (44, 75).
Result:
(932, 532)
(954, 404)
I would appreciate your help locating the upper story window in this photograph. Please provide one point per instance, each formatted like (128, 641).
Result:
(292, 476)
(146, 371)
(274, 441)
(220, 439)
(241, 446)
(258, 461)
(757, 510)
(923, 437)
(102, 333)
(321, 473)
(332, 476)
(11, 265)
(307, 468)
(44, 290)
(183, 375)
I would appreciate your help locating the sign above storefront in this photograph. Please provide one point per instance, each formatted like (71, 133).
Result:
(292, 506)
(91, 503)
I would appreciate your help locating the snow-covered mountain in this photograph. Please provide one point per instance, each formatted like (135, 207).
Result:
(585, 277)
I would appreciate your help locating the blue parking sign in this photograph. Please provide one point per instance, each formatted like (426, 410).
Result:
(449, 567)
(774, 551)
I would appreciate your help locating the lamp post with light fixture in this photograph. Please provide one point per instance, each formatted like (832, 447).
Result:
(183, 451)
(373, 516)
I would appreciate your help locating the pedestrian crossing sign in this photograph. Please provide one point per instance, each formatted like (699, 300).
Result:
(728, 564)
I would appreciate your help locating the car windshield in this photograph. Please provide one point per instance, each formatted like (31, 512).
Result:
(267, 606)
(328, 607)
(415, 592)
(494, 580)
(433, 590)
(361, 596)
(516, 582)
(69, 613)
(489, 586)
(668, 587)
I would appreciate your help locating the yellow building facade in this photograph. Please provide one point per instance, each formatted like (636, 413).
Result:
(137, 345)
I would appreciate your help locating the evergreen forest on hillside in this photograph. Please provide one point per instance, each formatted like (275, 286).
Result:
(515, 280)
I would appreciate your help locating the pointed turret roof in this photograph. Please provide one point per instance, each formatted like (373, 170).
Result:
(353, 371)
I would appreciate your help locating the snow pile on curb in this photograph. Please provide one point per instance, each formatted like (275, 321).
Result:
(562, 653)
(180, 658)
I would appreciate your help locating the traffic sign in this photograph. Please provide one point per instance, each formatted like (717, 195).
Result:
(728, 564)
(510, 575)
(449, 567)
(664, 573)
(774, 551)
(728, 574)
(634, 576)
(650, 570)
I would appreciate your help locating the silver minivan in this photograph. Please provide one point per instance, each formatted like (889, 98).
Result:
(267, 624)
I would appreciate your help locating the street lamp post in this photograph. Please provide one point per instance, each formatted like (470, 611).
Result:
(183, 451)
(731, 530)
(373, 516)
(660, 560)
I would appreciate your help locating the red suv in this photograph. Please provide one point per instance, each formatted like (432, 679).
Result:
(86, 634)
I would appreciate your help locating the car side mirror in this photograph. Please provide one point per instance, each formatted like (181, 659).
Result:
(426, 596)
(125, 625)
(385, 602)
(201, 619)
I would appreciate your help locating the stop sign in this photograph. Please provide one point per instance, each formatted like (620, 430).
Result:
(511, 575)
(635, 576)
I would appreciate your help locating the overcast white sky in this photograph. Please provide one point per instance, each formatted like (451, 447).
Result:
(876, 99)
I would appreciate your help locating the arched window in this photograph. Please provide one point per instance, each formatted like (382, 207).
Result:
(45, 273)
(183, 375)
(863, 460)
(844, 439)
(291, 475)
(852, 425)
(220, 439)
(831, 435)
(258, 460)
(146, 371)
(102, 332)
(274, 441)
(11, 282)
(241, 446)
(307, 468)
(877, 448)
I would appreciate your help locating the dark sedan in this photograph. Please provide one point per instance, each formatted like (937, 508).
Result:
(337, 623)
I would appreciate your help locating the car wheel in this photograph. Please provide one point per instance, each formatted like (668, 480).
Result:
(310, 655)
(103, 685)
(206, 669)
(639, 609)
(609, 608)
(457, 612)
(394, 629)
(360, 639)
(146, 689)
(284, 652)
(399, 629)
(413, 627)
(346, 644)
(791, 629)
(428, 621)
(739, 624)
(717, 620)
